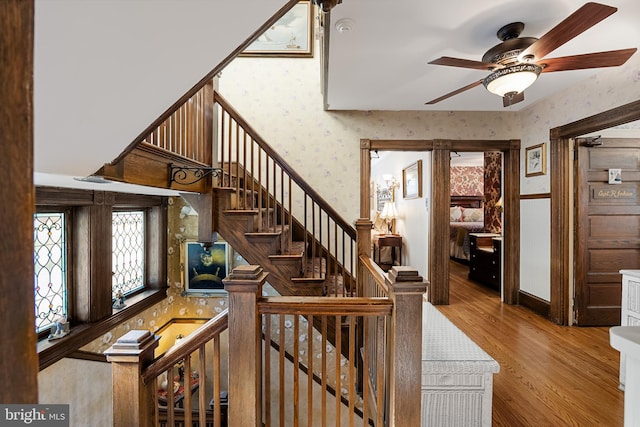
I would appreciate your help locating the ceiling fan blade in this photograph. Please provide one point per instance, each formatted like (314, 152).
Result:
(464, 63)
(611, 58)
(455, 92)
(576, 23)
(509, 100)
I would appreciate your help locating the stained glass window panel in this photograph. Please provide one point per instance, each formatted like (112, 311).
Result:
(49, 264)
(128, 252)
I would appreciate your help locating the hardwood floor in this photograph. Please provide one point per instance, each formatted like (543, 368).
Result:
(549, 375)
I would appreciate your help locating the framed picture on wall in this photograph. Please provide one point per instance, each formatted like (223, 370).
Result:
(204, 269)
(535, 160)
(290, 36)
(412, 181)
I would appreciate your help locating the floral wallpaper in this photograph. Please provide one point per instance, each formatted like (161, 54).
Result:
(467, 180)
(492, 175)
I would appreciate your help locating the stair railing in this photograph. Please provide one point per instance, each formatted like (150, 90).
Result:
(322, 382)
(177, 388)
(301, 378)
(285, 202)
(205, 133)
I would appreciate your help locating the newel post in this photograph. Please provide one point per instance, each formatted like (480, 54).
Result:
(132, 399)
(244, 286)
(363, 239)
(406, 289)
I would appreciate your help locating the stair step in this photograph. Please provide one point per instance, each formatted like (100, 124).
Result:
(315, 267)
(277, 231)
(297, 247)
(263, 234)
(301, 280)
(241, 212)
(280, 258)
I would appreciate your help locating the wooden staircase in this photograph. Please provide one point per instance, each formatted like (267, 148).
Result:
(247, 193)
(282, 250)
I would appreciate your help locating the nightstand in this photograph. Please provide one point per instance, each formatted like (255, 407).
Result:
(484, 261)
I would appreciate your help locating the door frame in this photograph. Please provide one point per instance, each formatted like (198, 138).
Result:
(439, 205)
(561, 164)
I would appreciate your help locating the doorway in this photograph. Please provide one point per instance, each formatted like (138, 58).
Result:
(562, 227)
(439, 205)
(607, 219)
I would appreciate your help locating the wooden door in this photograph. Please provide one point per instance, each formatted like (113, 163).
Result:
(607, 216)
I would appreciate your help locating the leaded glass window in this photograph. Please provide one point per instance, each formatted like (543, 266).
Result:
(128, 252)
(49, 268)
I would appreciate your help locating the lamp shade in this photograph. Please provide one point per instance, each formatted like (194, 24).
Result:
(389, 211)
(512, 80)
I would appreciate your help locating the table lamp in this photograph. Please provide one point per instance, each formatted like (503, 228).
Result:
(389, 213)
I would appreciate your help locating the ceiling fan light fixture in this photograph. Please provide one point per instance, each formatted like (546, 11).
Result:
(512, 80)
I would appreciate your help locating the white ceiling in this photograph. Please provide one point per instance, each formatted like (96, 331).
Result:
(382, 63)
(104, 70)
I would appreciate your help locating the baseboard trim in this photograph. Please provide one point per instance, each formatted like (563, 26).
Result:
(534, 303)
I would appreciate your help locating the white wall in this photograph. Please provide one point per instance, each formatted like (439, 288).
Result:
(535, 221)
(102, 62)
(413, 221)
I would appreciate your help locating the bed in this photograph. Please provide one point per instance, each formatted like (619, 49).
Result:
(466, 215)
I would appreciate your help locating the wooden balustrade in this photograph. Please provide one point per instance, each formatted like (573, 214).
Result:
(186, 368)
(264, 181)
(305, 378)
(204, 137)
(187, 132)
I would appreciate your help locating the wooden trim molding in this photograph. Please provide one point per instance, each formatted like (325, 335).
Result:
(511, 224)
(50, 352)
(561, 163)
(536, 196)
(439, 252)
(534, 303)
(18, 369)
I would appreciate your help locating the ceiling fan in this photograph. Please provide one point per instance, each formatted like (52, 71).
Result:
(518, 61)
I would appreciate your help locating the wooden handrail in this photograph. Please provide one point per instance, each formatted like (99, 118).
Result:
(206, 79)
(187, 346)
(377, 274)
(285, 166)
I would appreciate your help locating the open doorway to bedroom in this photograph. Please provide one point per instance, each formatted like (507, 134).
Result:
(437, 204)
(475, 215)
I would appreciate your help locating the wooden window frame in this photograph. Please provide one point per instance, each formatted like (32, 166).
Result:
(89, 262)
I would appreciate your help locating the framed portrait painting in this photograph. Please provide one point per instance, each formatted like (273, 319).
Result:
(535, 160)
(204, 269)
(290, 36)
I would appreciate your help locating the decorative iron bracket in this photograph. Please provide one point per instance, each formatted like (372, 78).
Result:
(185, 175)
